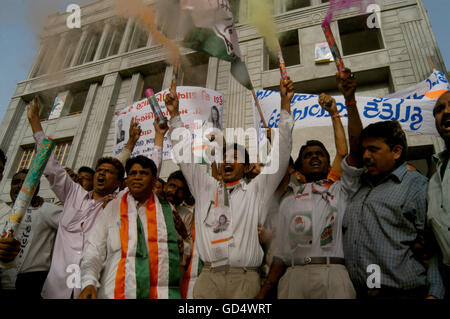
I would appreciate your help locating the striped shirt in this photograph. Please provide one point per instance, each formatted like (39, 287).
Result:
(380, 225)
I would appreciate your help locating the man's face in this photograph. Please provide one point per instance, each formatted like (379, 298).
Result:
(140, 181)
(174, 191)
(378, 157)
(106, 179)
(442, 116)
(158, 189)
(16, 185)
(86, 180)
(315, 162)
(234, 167)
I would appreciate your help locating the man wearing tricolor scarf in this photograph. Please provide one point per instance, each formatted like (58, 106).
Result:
(227, 211)
(308, 254)
(133, 250)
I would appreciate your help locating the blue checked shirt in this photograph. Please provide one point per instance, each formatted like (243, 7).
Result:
(380, 225)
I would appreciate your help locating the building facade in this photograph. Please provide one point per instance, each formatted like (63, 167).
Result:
(106, 64)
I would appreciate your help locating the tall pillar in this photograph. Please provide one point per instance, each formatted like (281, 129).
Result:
(126, 36)
(102, 42)
(60, 49)
(76, 55)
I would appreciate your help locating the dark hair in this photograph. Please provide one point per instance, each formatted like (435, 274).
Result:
(179, 175)
(298, 161)
(145, 162)
(114, 162)
(85, 169)
(291, 162)
(392, 134)
(2, 157)
(241, 149)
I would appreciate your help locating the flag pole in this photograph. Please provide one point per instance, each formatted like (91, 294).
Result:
(258, 106)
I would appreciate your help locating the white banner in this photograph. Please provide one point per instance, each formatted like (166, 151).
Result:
(412, 108)
(195, 104)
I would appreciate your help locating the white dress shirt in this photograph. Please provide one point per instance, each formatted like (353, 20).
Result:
(246, 201)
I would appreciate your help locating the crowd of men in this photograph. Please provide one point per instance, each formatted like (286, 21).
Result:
(362, 225)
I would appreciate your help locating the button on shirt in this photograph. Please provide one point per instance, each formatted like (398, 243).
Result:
(247, 201)
(338, 195)
(380, 225)
(439, 206)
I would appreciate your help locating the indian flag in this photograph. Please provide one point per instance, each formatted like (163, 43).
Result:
(213, 32)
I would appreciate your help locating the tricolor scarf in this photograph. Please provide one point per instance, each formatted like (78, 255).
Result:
(194, 269)
(148, 268)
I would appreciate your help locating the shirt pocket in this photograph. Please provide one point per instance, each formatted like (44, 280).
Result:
(113, 240)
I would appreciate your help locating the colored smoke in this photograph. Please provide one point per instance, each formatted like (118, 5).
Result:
(336, 5)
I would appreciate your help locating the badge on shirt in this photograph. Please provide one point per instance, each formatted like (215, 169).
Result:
(300, 229)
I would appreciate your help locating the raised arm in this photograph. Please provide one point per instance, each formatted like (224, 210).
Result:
(159, 144)
(195, 175)
(134, 134)
(271, 175)
(329, 104)
(346, 83)
(59, 180)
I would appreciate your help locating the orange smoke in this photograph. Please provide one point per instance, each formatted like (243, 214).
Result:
(137, 9)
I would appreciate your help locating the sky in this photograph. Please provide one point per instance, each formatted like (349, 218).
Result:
(22, 21)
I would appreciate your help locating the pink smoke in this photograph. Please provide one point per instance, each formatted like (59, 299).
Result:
(336, 5)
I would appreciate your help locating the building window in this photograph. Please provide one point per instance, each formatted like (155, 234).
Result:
(357, 37)
(113, 41)
(297, 4)
(194, 70)
(153, 79)
(290, 49)
(61, 152)
(78, 101)
(89, 48)
(139, 38)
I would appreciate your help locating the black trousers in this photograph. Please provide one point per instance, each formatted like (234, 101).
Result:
(392, 293)
(29, 285)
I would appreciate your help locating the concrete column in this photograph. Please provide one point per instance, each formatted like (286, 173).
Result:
(99, 121)
(60, 49)
(137, 83)
(211, 78)
(126, 36)
(102, 42)
(76, 55)
(10, 122)
(168, 76)
(37, 60)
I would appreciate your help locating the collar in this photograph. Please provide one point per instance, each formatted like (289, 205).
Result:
(397, 175)
(440, 157)
(236, 184)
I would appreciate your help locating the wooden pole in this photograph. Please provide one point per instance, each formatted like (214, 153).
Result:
(431, 62)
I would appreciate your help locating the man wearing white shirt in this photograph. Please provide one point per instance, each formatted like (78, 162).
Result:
(81, 210)
(133, 252)
(233, 254)
(36, 235)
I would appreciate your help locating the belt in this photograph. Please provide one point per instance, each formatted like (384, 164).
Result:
(319, 261)
(228, 268)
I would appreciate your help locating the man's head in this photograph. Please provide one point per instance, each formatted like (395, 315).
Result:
(383, 147)
(158, 187)
(176, 188)
(72, 174)
(17, 182)
(141, 172)
(236, 164)
(2, 163)
(313, 161)
(441, 114)
(86, 178)
(108, 175)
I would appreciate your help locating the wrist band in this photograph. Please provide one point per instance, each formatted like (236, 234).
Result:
(350, 103)
(336, 116)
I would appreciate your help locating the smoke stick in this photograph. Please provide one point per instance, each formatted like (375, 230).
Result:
(160, 118)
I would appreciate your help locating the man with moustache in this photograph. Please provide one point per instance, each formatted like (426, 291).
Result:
(385, 223)
(133, 250)
(231, 257)
(439, 188)
(81, 210)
